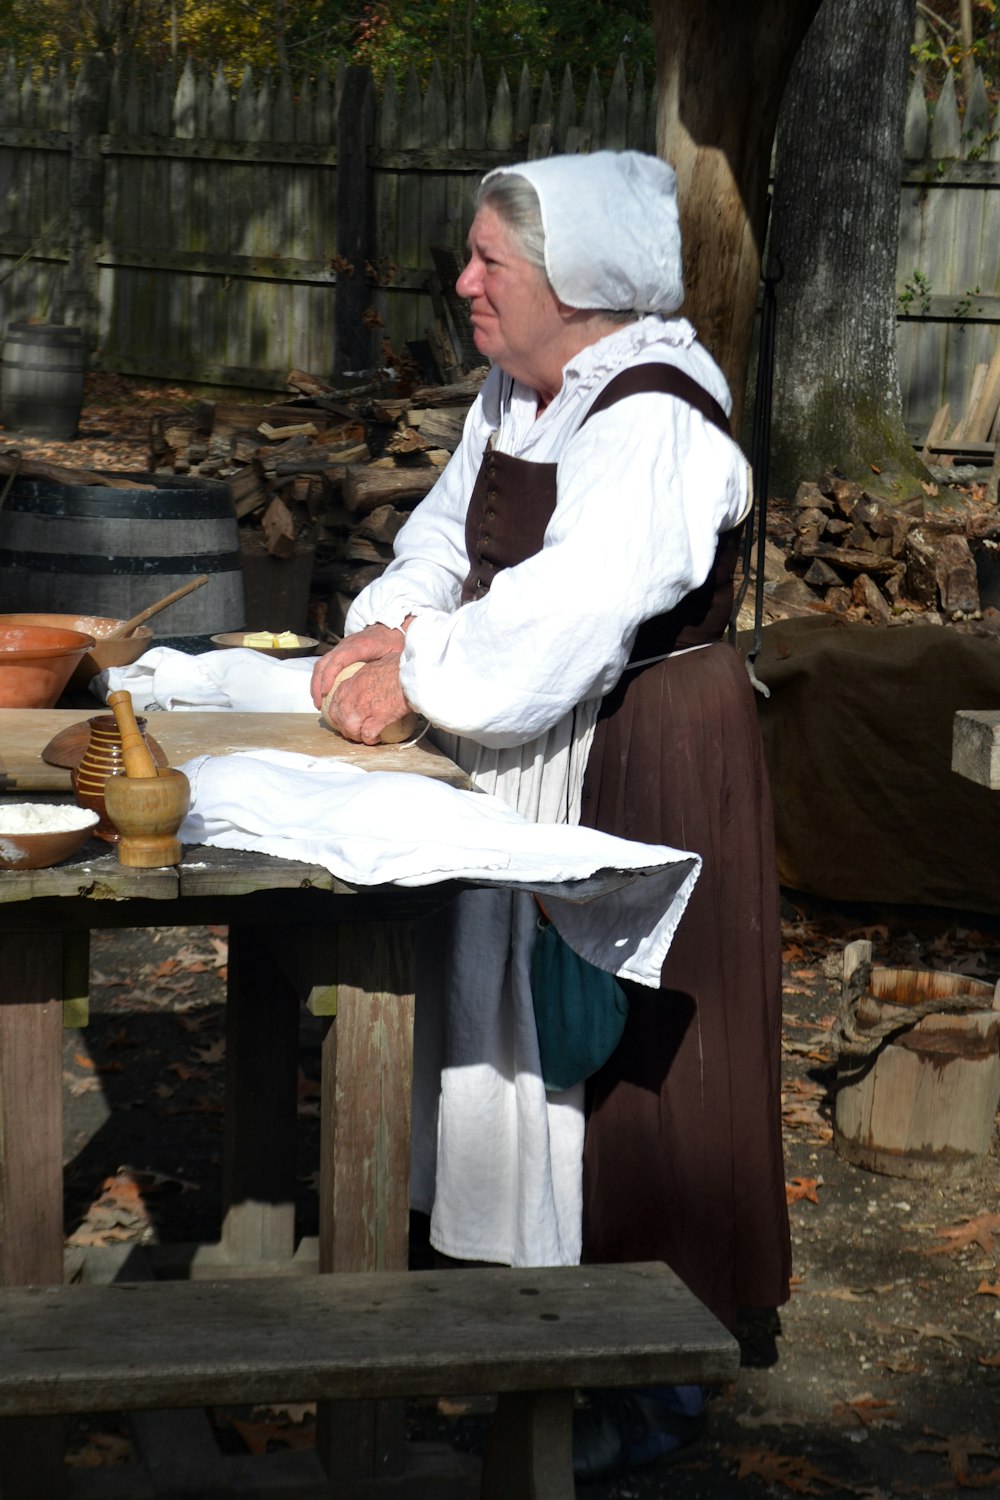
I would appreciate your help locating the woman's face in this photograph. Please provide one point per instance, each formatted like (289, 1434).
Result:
(515, 313)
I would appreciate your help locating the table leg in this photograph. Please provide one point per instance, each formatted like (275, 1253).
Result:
(31, 1167)
(262, 1033)
(365, 1161)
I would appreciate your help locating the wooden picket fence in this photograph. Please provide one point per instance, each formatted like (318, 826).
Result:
(207, 236)
(948, 268)
(201, 233)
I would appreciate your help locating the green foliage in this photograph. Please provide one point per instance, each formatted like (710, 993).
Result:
(915, 295)
(305, 35)
(505, 34)
(941, 49)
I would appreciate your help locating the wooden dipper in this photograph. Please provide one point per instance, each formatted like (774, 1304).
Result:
(148, 804)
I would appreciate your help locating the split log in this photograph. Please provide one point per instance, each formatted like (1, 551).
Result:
(442, 426)
(367, 486)
(309, 385)
(289, 430)
(224, 418)
(955, 575)
(868, 596)
(921, 567)
(854, 559)
(278, 528)
(382, 524)
(25, 468)
(248, 489)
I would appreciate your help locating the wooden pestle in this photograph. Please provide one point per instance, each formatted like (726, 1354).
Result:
(136, 753)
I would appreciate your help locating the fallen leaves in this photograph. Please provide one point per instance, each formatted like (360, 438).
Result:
(869, 1410)
(980, 1230)
(960, 1449)
(120, 1211)
(848, 1294)
(793, 1471)
(800, 1188)
(291, 1427)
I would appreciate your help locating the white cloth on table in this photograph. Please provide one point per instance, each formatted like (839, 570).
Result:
(375, 827)
(240, 679)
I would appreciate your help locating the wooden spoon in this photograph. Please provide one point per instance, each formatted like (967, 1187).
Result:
(127, 626)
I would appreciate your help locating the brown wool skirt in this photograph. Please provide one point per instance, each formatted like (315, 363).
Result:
(683, 1155)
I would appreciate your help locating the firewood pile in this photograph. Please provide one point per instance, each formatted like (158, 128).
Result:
(334, 472)
(848, 553)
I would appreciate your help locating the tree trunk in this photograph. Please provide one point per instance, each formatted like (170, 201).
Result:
(833, 243)
(720, 76)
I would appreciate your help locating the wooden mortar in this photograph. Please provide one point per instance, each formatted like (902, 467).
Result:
(149, 803)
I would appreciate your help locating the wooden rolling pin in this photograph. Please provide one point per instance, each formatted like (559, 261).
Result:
(136, 753)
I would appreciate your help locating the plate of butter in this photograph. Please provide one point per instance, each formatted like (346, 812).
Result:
(281, 644)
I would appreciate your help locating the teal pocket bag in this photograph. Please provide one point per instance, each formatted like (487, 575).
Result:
(580, 1011)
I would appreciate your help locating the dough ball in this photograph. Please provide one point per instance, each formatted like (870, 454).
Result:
(393, 734)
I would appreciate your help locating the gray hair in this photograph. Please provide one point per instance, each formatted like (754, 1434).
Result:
(514, 200)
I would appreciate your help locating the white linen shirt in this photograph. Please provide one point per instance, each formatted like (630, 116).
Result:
(643, 491)
(512, 683)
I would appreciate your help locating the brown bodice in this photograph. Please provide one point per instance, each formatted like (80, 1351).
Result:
(513, 500)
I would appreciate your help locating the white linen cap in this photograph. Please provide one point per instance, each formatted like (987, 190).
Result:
(611, 226)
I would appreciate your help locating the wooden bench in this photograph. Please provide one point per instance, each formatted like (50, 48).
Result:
(528, 1337)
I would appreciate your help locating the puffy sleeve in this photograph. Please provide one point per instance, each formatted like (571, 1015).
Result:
(643, 491)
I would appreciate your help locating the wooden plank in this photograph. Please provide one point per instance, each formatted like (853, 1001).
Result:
(31, 1209)
(983, 413)
(182, 734)
(364, 1208)
(408, 1333)
(937, 430)
(975, 746)
(262, 1034)
(31, 1206)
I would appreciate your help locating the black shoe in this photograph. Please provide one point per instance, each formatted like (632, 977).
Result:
(618, 1430)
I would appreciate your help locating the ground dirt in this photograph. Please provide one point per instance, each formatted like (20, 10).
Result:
(879, 1378)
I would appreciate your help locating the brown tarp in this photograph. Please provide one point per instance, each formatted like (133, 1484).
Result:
(857, 733)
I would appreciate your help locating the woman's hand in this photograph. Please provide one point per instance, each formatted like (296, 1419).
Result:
(367, 645)
(369, 701)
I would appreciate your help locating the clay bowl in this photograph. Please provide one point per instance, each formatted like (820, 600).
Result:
(234, 638)
(36, 662)
(103, 653)
(24, 849)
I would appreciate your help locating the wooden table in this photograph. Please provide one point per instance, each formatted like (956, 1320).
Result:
(294, 930)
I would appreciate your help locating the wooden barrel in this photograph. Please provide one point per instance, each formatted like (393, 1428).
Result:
(41, 385)
(97, 550)
(923, 1103)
